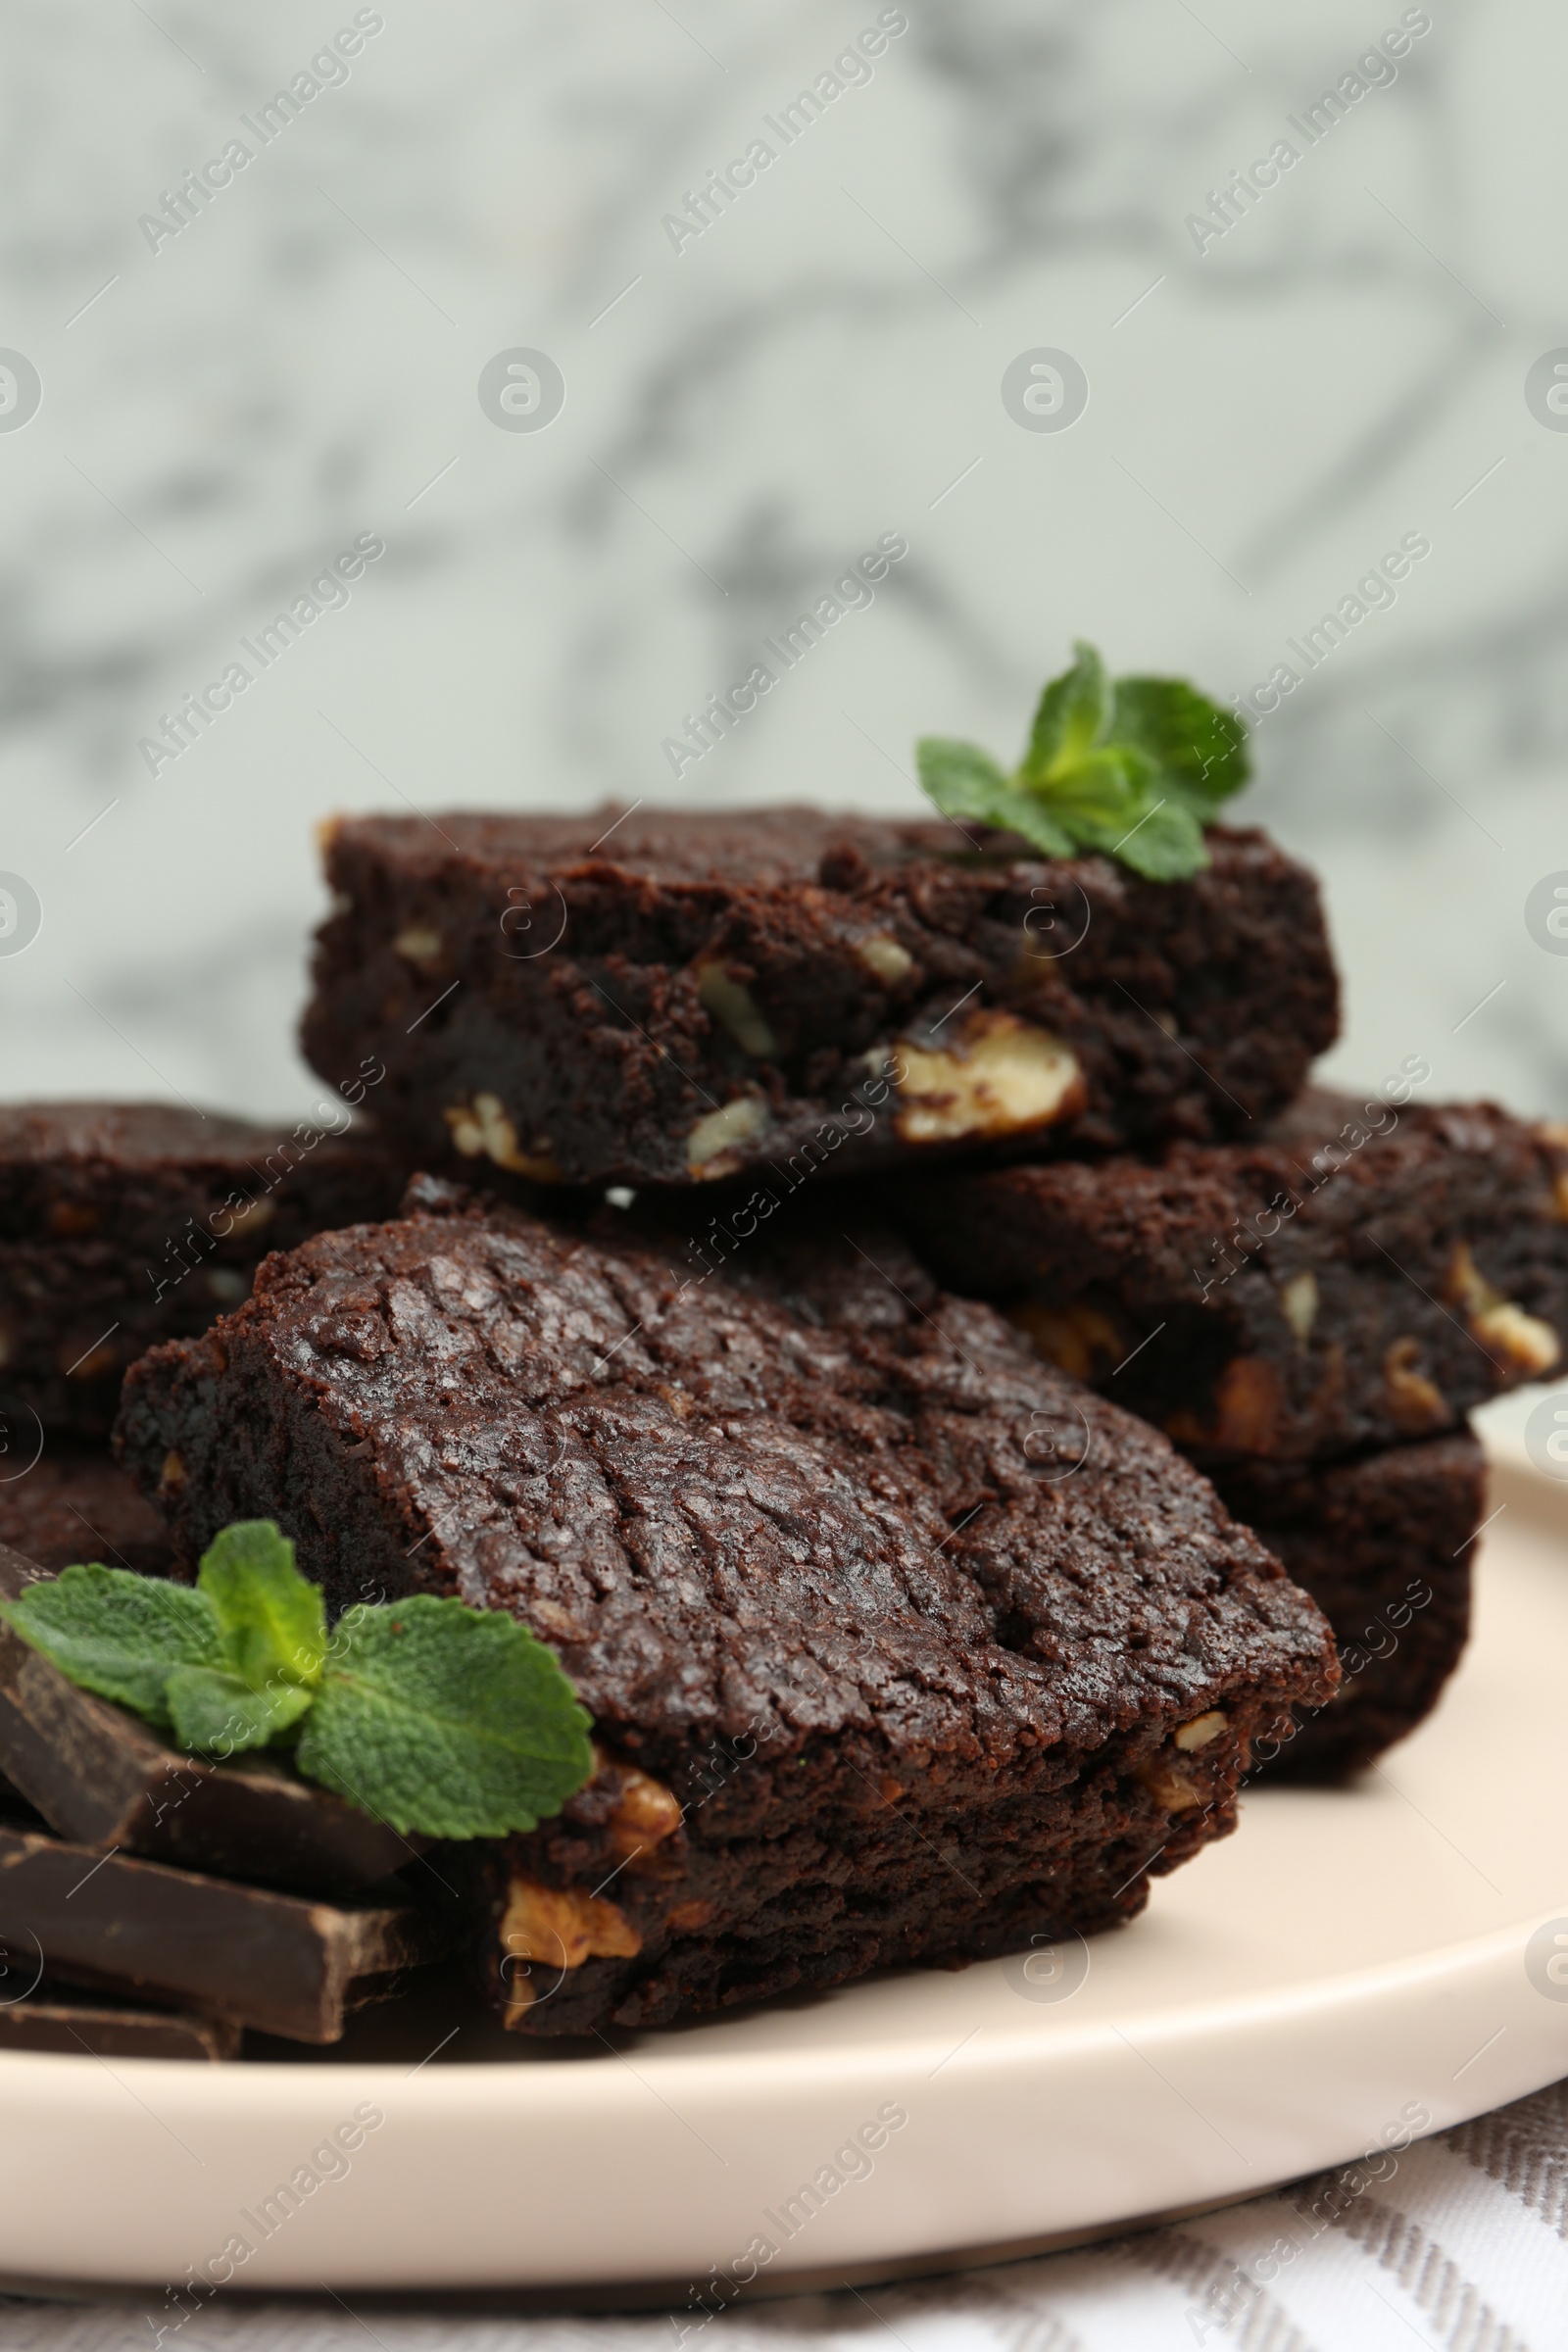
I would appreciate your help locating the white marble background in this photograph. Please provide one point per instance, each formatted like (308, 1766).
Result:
(822, 366)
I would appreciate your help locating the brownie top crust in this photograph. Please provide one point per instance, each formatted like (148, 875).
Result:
(73, 1172)
(650, 861)
(761, 849)
(127, 1135)
(843, 1506)
(1312, 1181)
(1359, 1274)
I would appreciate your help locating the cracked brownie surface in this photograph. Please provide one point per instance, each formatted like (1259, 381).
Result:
(899, 1644)
(666, 997)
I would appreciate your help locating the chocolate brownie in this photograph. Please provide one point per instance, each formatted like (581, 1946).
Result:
(1385, 1548)
(651, 996)
(122, 1223)
(899, 1646)
(1359, 1275)
(79, 1503)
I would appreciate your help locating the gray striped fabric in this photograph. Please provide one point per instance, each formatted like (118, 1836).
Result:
(1458, 2242)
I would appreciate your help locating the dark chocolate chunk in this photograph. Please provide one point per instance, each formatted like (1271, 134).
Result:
(69, 2022)
(663, 997)
(103, 1778)
(278, 1961)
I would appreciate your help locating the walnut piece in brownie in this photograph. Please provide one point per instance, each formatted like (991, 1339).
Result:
(901, 1647)
(668, 997)
(1361, 1275)
(124, 1223)
(1385, 1548)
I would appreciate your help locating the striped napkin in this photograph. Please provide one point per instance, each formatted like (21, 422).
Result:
(1460, 2243)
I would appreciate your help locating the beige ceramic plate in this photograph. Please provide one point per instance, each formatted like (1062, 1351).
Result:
(1347, 1968)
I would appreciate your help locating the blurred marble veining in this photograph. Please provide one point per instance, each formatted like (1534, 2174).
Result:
(820, 365)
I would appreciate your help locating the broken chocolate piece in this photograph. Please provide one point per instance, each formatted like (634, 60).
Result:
(278, 1961)
(103, 1778)
(53, 2020)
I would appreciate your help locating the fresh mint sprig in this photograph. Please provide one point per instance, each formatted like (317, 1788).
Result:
(1136, 767)
(434, 1717)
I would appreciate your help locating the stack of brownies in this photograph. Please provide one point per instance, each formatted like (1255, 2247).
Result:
(917, 1623)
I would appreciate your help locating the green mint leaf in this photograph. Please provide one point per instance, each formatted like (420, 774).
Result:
(1135, 770)
(1070, 718)
(271, 1618)
(960, 777)
(447, 1720)
(1198, 750)
(1112, 803)
(1027, 814)
(217, 1713)
(118, 1634)
(434, 1717)
(966, 782)
(1167, 846)
(1104, 794)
